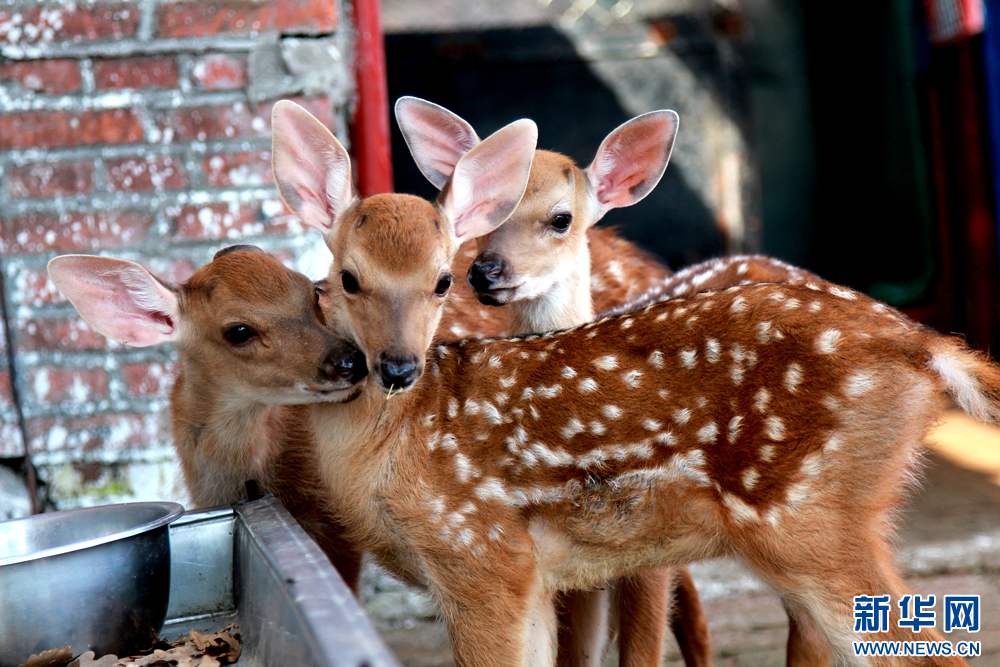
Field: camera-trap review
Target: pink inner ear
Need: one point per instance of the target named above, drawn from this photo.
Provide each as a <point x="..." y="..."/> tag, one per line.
<point x="437" y="138"/>
<point x="311" y="168"/>
<point x="118" y="299"/>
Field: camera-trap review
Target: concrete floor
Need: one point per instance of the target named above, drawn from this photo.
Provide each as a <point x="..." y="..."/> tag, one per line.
<point x="950" y="545"/>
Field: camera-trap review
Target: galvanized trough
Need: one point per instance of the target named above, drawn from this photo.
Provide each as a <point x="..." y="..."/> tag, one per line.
<point x="252" y="565"/>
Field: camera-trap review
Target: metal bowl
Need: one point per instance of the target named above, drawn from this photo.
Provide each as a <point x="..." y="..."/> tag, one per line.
<point x="94" y="579"/>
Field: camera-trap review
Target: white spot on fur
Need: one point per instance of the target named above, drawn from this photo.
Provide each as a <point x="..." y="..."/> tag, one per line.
<point x="682" y="416"/>
<point x="651" y="424"/>
<point x="735" y="424"/>
<point x="587" y="386"/>
<point x="597" y="428"/>
<point x="452" y="408"/>
<point x="464" y="470"/>
<point x="507" y="382"/>
<point x="656" y="359"/>
<point x="626" y="323"/>
<point x="739" y="510"/>
<point x="812" y="465"/>
<point x="842" y="293"/>
<point x="689" y="358"/>
<point x="632" y="378"/>
<point x="828" y="341"/>
<point x="793" y="377"/>
<point x="712" y="350"/>
<point x="750" y="478"/>
<point x="572" y="428"/>
<point x="774" y="428"/>
<point x="767" y="453"/>
<point x="449" y="443"/>
<point x="666" y="439"/>
<point x="739" y="305"/>
<point x="608" y="362"/>
<point x="549" y="392"/>
<point x="833" y="444"/>
<point x="611" y="411"/>
<point x="858" y="384"/>
<point x="568" y="372"/>
<point x="815" y="307"/>
<point x="764" y="333"/>
<point x="707" y="433"/>
<point x="491" y="488"/>
<point x="760" y="400"/>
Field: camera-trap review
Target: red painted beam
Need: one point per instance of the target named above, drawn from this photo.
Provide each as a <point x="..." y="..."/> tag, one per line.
<point x="370" y="127"/>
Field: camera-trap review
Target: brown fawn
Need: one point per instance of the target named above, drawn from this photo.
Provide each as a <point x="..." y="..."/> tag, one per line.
<point x="538" y="263"/>
<point x="252" y="350"/>
<point x="620" y="271"/>
<point x="778" y="424"/>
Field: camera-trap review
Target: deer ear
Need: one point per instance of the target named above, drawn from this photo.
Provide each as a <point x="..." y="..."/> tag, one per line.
<point x="311" y="168"/>
<point x="436" y="137"/>
<point x="118" y="299"/>
<point x="489" y="180"/>
<point x="632" y="159"/>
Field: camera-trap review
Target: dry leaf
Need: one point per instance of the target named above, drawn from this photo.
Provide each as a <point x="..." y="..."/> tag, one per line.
<point x="196" y="650"/>
<point x="86" y="659"/>
<point x="50" y="658"/>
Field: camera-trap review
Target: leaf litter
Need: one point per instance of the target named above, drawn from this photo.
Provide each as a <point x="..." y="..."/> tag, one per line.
<point x="195" y="650"/>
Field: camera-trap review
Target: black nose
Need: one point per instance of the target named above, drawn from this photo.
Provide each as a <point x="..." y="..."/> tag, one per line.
<point x="398" y="372"/>
<point x="345" y="364"/>
<point x="484" y="272"/>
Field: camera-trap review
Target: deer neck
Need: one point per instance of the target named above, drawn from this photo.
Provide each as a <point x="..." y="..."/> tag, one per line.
<point x="566" y="304"/>
<point x="214" y="426"/>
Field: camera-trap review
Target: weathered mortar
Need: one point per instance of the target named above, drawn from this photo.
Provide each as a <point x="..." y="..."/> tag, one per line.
<point x="139" y="130"/>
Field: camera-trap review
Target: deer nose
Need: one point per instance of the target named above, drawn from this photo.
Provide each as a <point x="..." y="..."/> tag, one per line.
<point x="349" y="365"/>
<point x="398" y="372"/>
<point x="484" y="272"/>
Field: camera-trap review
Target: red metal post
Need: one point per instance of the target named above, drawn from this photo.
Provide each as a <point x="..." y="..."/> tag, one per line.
<point x="370" y="129"/>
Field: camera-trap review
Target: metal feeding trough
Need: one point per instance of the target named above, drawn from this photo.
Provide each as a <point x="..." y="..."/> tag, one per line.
<point x="254" y="566"/>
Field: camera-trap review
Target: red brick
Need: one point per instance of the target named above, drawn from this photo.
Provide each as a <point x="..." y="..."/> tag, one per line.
<point x="78" y="23"/>
<point x="50" y="179"/>
<point x="220" y="71"/>
<point x="68" y="334"/>
<point x="230" y="121"/>
<point x="6" y="393"/>
<point x="208" y="17"/>
<point x="73" y="232"/>
<point x="239" y="169"/>
<point x="218" y="221"/>
<point x="136" y="73"/>
<point x="48" y="129"/>
<point x="33" y="288"/>
<point x="150" y="173"/>
<point x="54" y="385"/>
<point x="150" y="379"/>
<point x="43" y="76"/>
<point x="105" y="432"/>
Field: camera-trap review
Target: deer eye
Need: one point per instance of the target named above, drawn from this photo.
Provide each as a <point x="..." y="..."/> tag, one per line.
<point x="443" y="285"/>
<point x="561" y="222"/>
<point x="239" y="333"/>
<point x="350" y="283"/>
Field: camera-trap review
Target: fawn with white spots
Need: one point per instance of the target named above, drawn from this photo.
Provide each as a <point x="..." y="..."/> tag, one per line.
<point x="538" y="263"/>
<point x="776" y="424"/>
<point x="252" y="346"/>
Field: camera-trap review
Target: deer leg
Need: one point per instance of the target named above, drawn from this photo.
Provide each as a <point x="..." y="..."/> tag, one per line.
<point x="806" y="645"/>
<point x="643" y="605"/>
<point x="583" y="628"/>
<point x="688" y="621"/>
<point x="818" y="589"/>
<point x="513" y="625"/>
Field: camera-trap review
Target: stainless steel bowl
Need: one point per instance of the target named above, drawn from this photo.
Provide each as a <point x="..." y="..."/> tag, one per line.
<point x="93" y="579"/>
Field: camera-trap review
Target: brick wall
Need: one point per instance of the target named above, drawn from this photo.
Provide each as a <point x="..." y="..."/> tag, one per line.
<point x="138" y="130"/>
